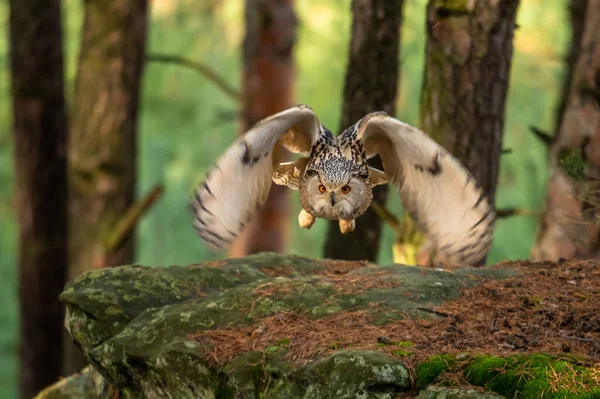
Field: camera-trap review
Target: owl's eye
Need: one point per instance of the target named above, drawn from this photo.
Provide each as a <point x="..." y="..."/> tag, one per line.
<point x="322" y="188"/>
<point x="346" y="189"/>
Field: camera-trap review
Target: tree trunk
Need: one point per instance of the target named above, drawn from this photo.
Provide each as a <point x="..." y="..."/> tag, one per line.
<point x="569" y="227"/>
<point x="466" y="79"/>
<point x="371" y="85"/>
<point x="102" y="146"/>
<point x="39" y="124"/>
<point x="467" y="69"/>
<point x="267" y="88"/>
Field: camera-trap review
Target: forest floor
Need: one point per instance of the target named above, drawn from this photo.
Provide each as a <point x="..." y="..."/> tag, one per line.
<point x="496" y="317"/>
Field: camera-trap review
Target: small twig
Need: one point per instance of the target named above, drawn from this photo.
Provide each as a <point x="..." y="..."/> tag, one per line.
<point x="384" y="214"/>
<point x="543" y="136"/>
<point x="508" y="212"/>
<point x="429" y="310"/>
<point x="131" y="218"/>
<point x="506" y="151"/>
<point x="203" y="69"/>
<point x="576" y="338"/>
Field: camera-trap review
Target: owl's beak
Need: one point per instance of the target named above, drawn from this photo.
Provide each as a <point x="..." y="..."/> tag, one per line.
<point x="332" y="196"/>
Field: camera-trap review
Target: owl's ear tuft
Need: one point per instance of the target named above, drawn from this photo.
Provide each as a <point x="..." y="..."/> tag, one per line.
<point x="377" y="177"/>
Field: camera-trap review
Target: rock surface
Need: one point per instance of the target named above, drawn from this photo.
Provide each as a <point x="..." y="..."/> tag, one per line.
<point x="81" y="385"/>
<point x="435" y="392"/>
<point x="274" y="326"/>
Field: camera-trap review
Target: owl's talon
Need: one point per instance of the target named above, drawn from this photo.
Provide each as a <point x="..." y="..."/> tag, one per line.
<point x="346" y="226"/>
<point x="305" y="219"/>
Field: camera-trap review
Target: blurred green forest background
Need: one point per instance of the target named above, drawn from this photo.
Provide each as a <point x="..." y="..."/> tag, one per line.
<point x="186" y="122"/>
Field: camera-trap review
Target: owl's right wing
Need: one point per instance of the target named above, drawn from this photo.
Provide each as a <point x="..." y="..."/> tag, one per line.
<point x="439" y="193"/>
<point x="239" y="182"/>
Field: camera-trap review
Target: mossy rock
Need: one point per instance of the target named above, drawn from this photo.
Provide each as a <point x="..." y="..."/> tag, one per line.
<point x="440" y="392"/>
<point x="160" y="332"/>
<point x="81" y="385"/>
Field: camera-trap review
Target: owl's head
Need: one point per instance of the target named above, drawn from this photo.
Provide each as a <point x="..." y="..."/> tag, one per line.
<point x="334" y="189"/>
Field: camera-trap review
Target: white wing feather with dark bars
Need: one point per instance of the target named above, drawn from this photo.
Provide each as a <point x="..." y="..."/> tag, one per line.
<point x="240" y="181"/>
<point x="435" y="188"/>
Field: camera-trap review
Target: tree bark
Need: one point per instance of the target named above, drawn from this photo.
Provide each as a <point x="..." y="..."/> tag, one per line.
<point x="371" y="85"/>
<point x="267" y="88"/>
<point x="577" y="10"/>
<point x="39" y="125"/>
<point x="569" y="227"/>
<point x="102" y="147"/>
<point x="467" y="69"/>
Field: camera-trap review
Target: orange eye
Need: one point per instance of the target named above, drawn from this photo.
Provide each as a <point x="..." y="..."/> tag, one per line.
<point x="322" y="188"/>
<point x="346" y="189"/>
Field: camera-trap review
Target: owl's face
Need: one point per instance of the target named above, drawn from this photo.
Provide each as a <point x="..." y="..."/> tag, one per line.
<point x="335" y="198"/>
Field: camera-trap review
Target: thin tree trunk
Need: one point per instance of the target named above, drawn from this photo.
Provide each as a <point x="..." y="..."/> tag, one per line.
<point x="267" y="88"/>
<point x="102" y="146"/>
<point x="371" y="85"/>
<point x="39" y="124"/>
<point x="577" y="11"/>
<point x="569" y="227"/>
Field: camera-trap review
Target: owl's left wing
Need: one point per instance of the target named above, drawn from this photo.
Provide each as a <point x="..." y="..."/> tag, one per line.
<point x="435" y="188"/>
<point x="239" y="182"/>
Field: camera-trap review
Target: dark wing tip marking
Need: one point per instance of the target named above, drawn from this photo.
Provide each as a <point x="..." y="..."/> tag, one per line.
<point x="205" y="185"/>
<point x="481" y="198"/>
<point x="202" y="225"/>
<point x="435" y="169"/>
<point x="247" y="159"/>
<point x="485" y="216"/>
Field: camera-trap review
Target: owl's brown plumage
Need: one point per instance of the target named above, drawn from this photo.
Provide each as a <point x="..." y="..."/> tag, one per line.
<point x="336" y="183"/>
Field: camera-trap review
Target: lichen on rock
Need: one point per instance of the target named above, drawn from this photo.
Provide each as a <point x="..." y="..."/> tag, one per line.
<point x="441" y="392"/>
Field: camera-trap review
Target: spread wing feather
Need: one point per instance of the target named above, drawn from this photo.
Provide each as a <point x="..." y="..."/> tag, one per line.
<point x="436" y="189"/>
<point x="239" y="182"/>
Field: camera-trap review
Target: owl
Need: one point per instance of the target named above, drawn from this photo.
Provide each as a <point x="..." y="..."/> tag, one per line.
<point x="336" y="183"/>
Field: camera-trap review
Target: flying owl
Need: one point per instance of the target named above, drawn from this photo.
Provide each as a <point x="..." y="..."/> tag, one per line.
<point x="336" y="183"/>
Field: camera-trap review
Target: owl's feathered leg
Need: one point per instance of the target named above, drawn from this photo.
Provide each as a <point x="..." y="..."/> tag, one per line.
<point x="347" y="226"/>
<point x="305" y="219"/>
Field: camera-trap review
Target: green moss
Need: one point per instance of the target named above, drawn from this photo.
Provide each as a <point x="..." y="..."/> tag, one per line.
<point x="455" y="5"/>
<point x="535" y="376"/>
<point x="429" y="370"/>
<point x="526" y="376"/>
<point x="491" y="372"/>
<point x="272" y="349"/>
<point x="572" y="161"/>
<point x="401" y="353"/>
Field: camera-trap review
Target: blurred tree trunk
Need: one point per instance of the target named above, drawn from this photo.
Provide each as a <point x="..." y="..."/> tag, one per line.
<point x="39" y="124"/>
<point x="267" y="88"/>
<point x="569" y="227"/>
<point x="102" y="143"/>
<point x="371" y="85"/>
<point x="466" y="79"/>
<point x="577" y="12"/>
